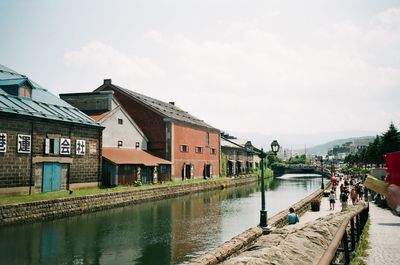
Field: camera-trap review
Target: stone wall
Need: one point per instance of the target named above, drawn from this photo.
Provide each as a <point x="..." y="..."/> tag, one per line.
<point x="239" y="242"/>
<point x="21" y="173"/>
<point x="44" y="210"/>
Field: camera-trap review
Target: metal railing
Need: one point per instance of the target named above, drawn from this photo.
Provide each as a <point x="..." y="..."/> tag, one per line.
<point x="346" y="239"/>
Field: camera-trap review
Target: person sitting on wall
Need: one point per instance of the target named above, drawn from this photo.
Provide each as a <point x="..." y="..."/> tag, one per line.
<point x="292" y="217"/>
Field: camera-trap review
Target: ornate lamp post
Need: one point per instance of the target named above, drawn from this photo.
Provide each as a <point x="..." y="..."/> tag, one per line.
<point x="321" y="160"/>
<point x="263" y="213"/>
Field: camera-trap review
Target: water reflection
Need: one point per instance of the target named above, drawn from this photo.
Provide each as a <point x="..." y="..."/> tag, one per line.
<point x="164" y="232"/>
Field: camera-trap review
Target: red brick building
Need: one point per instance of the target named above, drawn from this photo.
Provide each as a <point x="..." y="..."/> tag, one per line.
<point x="189" y="143"/>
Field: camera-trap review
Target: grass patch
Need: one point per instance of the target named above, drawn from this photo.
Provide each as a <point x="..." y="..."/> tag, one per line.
<point x="359" y="257"/>
<point x="97" y="190"/>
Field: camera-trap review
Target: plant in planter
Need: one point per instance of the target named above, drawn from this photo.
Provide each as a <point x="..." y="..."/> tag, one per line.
<point x="315" y="204"/>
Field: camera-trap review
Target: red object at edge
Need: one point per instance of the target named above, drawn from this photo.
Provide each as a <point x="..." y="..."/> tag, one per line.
<point x="393" y="167"/>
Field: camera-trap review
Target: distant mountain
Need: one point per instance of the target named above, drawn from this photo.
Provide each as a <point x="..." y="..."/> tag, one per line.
<point x="299" y="142"/>
<point x="323" y="149"/>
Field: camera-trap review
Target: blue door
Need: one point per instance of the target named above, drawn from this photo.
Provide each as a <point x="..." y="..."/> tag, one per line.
<point x="51" y="177"/>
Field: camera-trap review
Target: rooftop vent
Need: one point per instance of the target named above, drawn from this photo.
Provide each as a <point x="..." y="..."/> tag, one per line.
<point x="107" y="81"/>
<point x="172" y="103"/>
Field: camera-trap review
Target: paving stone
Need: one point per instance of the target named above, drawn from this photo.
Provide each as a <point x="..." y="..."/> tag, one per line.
<point x="384" y="237"/>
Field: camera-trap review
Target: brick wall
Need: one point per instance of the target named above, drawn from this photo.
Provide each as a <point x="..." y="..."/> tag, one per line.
<point x="14" y="167"/>
<point x="151" y="123"/>
<point x="195" y="137"/>
<point x="17" y="170"/>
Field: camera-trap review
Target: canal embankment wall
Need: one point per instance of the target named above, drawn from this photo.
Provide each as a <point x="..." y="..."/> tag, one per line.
<point x="69" y="206"/>
<point x="241" y="241"/>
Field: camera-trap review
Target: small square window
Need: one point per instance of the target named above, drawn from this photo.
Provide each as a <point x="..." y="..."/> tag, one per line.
<point x="199" y="149"/>
<point x="213" y="151"/>
<point x="120" y="121"/>
<point x="184" y="148"/>
<point x="120" y="143"/>
<point x="137" y="145"/>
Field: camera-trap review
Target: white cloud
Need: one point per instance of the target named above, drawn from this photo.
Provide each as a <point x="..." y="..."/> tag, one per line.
<point x="306" y="86"/>
<point x="99" y="58"/>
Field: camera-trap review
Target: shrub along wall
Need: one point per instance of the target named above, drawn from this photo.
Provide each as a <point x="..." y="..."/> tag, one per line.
<point x="57" y="208"/>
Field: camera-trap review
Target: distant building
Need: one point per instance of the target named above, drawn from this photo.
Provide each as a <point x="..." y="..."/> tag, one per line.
<point x="125" y="159"/>
<point x="236" y="158"/>
<point x="173" y="134"/>
<point x="45" y="143"/>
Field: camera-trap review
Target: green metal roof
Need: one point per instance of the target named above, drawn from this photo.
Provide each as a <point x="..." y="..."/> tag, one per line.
<point x="43" y="104"/>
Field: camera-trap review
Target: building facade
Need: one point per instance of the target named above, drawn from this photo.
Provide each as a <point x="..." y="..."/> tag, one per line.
<point x="45" y="143"/>
<point x="189" y="143"/>
<point x="125" y="160"/>
<point x="237" y="156"/>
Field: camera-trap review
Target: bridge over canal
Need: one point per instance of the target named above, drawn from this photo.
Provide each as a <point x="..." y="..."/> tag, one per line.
<point x="302" y="169"/>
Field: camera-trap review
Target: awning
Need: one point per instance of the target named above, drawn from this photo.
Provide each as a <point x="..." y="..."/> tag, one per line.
<point x="127" y="156"/>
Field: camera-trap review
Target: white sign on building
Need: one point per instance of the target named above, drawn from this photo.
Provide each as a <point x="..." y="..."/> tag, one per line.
<point x="3" y="142"/>
<point x="24" y="143"/>
<point x="65" y="146"/>
<point x="80" y="147"/>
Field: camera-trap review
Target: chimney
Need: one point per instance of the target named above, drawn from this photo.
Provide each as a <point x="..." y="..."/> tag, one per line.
<point x="172" y="103"/>
<point x="107" y="81"/>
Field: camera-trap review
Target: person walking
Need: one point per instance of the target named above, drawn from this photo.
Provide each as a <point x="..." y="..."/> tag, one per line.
<point x="343" y="199"/>
<point x="332" y="200"/>
<point x="353" y="196"/>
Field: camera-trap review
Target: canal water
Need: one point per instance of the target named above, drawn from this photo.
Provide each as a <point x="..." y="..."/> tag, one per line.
<point x="163" y="232"/>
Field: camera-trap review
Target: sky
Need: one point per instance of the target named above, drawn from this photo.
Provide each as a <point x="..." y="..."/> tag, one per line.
<point x="259" y="67"/>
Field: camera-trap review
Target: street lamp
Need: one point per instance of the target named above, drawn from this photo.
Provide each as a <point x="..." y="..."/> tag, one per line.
<point x="321" y="160"/>
<point x="249" y="148"/>
<point x="263" y="213"/>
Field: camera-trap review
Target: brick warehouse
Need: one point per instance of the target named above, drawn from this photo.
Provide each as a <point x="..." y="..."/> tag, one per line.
<point x="45" y="143"/>
<point x="189" y="143"/>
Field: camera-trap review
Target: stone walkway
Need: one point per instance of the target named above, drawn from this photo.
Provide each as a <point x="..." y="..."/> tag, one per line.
<point x="384" y="237"/>
<point x="324" y="210"/>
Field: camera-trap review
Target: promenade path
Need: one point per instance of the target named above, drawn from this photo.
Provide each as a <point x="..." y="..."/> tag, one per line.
<point x="384" y="237"/>
<point x="324" y="210"/>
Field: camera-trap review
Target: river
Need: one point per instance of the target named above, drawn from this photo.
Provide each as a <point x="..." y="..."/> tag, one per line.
<point x="163" y="232"/>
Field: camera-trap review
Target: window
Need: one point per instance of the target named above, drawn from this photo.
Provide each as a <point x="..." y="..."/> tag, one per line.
<point x="25" y="92"/>
<point x="120" y="143"/>
<point x="137" y="145"/>
<point x="213" y="151"/>
<point x="184" y="148"/>
<point x="207" y="138"/>
<point x="198" y="149"/>
<point x="52" y="146"/>
<point x="120" y="121"/>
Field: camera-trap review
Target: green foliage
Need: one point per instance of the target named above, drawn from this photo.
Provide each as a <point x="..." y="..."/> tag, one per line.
<point x="278" y="165"/>
<point x="224" y="163"/>
<point x="349" y="170"/>
<point x="339" y="149"/>
<point x="137" y="183"/>
<point x="302" y="159"/>
<point x="373" y="154"/>
<point x="359" y="256"/>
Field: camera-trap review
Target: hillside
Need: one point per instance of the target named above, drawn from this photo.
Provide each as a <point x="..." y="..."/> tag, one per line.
<point x="323" y="149"/>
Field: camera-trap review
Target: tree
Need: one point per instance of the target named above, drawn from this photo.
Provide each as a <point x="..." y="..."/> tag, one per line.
<point x="373" y="152"/>
<point x="390" y="140"/>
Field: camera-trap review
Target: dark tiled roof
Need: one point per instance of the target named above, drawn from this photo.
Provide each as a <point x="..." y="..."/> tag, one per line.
<point x="165" y="109"/>
<point x="43" y="104"/>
